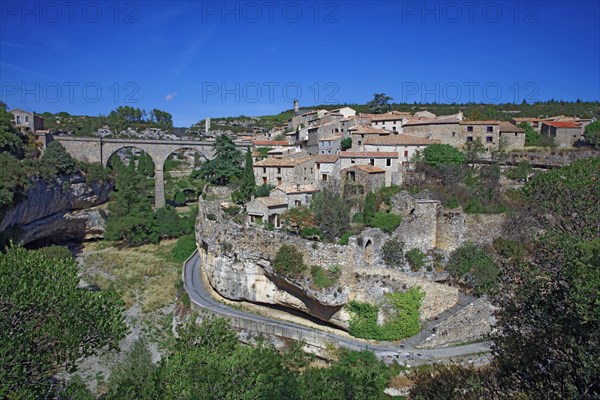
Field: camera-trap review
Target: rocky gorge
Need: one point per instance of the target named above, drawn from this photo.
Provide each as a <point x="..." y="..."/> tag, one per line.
<point x="58" y="211"/>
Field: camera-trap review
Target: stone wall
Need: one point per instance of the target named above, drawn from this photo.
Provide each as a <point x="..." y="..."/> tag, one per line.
<point x="427" y="225"/>
<point x="237" y="260"/>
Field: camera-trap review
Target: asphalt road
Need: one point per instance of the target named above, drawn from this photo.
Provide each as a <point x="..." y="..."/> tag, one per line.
<point x="404" y="354"/>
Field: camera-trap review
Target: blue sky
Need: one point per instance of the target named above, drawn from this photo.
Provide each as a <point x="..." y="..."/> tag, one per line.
<point x="213" y="58"/>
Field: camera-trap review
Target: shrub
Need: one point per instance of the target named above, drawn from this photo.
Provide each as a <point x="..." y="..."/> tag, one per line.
<point x="416" y="259"/>
<point x="311" y="232"/>
<point x="264" y="190"/>
<point x="289" y="261"/>
<point x="473" y="266"/>
<point x="325" y="278"/>
<point x="438" y="154"/>
<point x="184" y="248"/>
<point x="171" y="225"/>
<point x="179" y="199"/>
<point x="344" y="239"/>
<point x="54" y="251"/>
<point x="393" y="252"/>
<point x="405" y="323"/>
<point x="346" y="143"/>
<point x="387" y="222"/>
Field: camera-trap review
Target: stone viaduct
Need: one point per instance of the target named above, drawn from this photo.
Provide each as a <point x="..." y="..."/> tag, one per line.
<point x="100" y="150"/>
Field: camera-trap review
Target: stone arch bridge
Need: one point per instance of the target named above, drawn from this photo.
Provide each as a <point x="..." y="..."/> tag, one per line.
<point x="99" y="150"/>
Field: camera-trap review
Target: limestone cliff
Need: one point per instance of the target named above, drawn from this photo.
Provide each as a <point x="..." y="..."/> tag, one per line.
<point x="59" y="210"/>
<point x="237" y="262"/>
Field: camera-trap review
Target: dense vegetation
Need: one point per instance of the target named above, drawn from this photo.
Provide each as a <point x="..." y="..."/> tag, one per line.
<point x="546" y="339"/>
<point x="402" y="322"/>
<point x="207" y="362"/>
<point x="289" y="261"/>
<point x="474" y="267"/>
<point x="47" y="322"/>
<point x="117" y="120"/>
<point x="21" y="164"/>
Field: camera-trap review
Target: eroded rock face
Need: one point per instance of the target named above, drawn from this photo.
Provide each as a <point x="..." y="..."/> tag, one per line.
<point x="237" y="262"/>
<point x="59" y="210"/>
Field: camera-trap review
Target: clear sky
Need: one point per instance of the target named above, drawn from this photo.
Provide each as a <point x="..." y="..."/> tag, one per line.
<point x="214" y="58"/>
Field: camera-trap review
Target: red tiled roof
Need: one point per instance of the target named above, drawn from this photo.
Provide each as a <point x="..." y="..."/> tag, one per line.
<point x="368" y="154"/>
<point x="370" y="169"/>
<point x="327" y="158"/>
<point x="367" y="130"/>
<point x="270" y="143"/>
<point x="489" y="122"/>
<point x="562" y="124"/>
<point x="400" y="140"/>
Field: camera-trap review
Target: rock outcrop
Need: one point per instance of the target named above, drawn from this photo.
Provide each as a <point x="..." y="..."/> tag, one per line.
<point x="237" y="262"/>
<point x="59" y="210"/>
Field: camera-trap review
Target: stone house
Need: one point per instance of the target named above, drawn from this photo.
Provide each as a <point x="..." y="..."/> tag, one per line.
<point x="361" y="132"/>
<point x="512" y="135"/>
<point x="405" y="145"/>
<point x="330" y="145"/>
<point x="285" y="171"/>
<point x="327" y="169"/>
<point x="535" y="123"/>
<point x="391" y="121"/>
<point x="564" y="133"/>
<point x="447" y="131"/>
<point x="266" y="210"/>
<point x="27" y="121"/>
<point x="296" y="195"/>
<point x="388" y="161"/>
<point x="487" y="131"/>
<point x="361" y="179"/>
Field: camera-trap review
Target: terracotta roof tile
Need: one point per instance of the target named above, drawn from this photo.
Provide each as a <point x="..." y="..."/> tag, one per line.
<point x="282" y="162"/>
<point x="367" y="130"/>
<point x="327" y="158"/>
<point x="562" y="124"/>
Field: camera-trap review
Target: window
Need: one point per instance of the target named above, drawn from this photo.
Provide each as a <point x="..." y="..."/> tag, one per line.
<point x="388" y="162"/>
<point x="453" y="134"/>
<point x="372" y="161"/>
<point x="516" y="134"/>
<point x="278" y="170"/>
<point x="18" y="119"/>
<point x="469" y="138"/>
<point x="394" y="122"/>
<point x="352" y="160"/>
<point x="405" y="153"/>
<point x="394" y="128"/>
<point x="27" y="118"/>
<point x="297" y="203"/>
<point x="264" y="180"/>
<point x="318" y="166"/>
<point x="490" y="129"/>
<point x="264" y="170"/>
<point x="324" y="177"/>
<point x="488" y="139"/>
<point x="469" y="129"/>
<point x="278" y="181"/>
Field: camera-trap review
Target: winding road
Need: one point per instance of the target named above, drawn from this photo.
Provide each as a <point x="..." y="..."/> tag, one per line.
<point x="402" y="354"/>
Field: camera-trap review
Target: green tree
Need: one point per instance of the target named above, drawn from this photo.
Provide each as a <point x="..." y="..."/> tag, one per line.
<point x="380" y="103"/>
<point x="332" y="212"/>
<point x="475" y="267"/>
<point x="386" y="221"/>
<point x="474" y="149"/>
<point x="131" y="218"/>
<point x="571" y="195"/>
<point x="135" y="377"/>
<point x="532" y="137"/>
<point x="346" y="143"/>
<point x="225" y="165"/>
<point x="438" y="154"/>
<point x="58" y="160"/>
<point x="289" y="261"/>
<point x="248" y="182"/>
<point x="13" y="180"/>
<point x="146" y="165"/>
<point x="47" y="322"/>
<point x="592" y="134"/>
<point x="546" y="345"/>
<point x="10" y="140"/>
<point x="370" y="208"/>
<point x="298" y="218"/>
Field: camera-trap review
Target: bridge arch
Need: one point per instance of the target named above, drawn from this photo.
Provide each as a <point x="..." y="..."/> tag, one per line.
<point x="99" y="150"/>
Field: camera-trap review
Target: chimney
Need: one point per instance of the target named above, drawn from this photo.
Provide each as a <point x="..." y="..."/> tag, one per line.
<point x="296" y="109"/>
